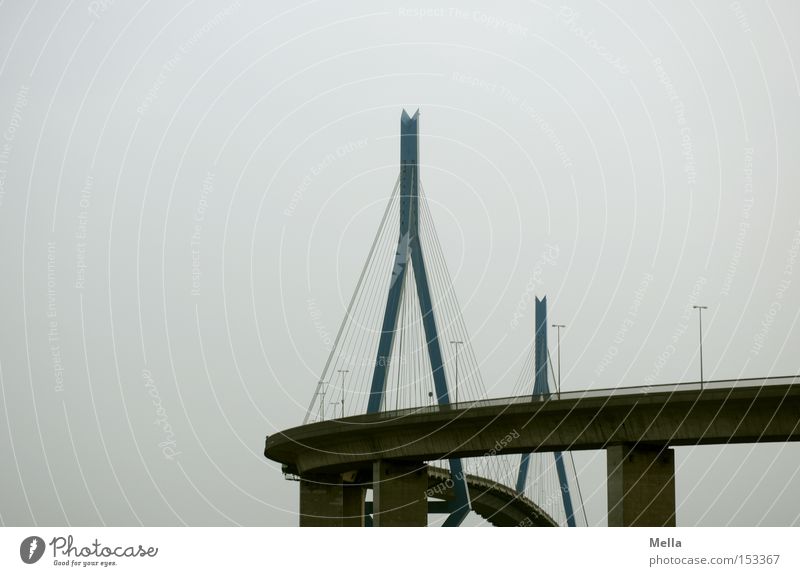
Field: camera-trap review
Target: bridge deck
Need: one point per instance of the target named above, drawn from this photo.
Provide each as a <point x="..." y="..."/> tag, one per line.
<point x="495" y="502"/>
<point x="735" y="411"/>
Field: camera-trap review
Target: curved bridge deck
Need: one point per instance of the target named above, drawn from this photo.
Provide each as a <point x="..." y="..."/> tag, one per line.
<point x="761" y="411"/>
<point x="496" y="503"/>
<point x="643" y="422"/>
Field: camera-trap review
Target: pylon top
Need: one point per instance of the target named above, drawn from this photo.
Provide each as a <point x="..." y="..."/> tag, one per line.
<point x="409" y="139"/>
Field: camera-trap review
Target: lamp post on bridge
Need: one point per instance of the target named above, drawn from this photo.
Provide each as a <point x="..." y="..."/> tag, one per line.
<point x="343" y="372"/>
<point x="456" y="343"/>
<point x="700" y="311"/>
<point x="321" y="393"/>
<point x="558" y="328"/>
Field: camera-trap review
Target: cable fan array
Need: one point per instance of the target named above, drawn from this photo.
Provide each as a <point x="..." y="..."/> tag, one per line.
<point x="344" y="385"/>
<point x="543" y="485"/>
<point x="343" y="388"/>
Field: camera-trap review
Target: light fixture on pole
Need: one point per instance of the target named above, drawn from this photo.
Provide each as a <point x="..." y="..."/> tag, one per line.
<point x="456" y="343"/>
<point x="558" y="328"/>
<point x="700" y="311"/>
<point x="322" y="384"/>
<point x="343" y="372"/>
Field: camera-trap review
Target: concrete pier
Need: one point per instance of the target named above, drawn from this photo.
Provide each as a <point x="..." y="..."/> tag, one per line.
<point x="326" y="500"/>
<point x="641" y="485"/>
<point x="398" y="493"/>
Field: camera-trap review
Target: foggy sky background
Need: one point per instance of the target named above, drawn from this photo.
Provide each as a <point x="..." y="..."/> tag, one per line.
<point x="627" y="160"/>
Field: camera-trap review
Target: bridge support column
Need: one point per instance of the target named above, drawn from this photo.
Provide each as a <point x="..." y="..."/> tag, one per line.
<point x="641" y="485"/>
<point x="398" y="493"/>
<point x="328" y="501"/>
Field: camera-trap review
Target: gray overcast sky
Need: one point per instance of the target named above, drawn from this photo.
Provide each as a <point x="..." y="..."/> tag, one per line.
<point x="179" y="180"/>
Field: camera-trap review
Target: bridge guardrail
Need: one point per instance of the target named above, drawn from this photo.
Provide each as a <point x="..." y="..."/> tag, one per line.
<point x="594" y="393"/>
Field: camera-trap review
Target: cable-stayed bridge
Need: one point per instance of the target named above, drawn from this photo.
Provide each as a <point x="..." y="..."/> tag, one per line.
<point x="399" y="430"/>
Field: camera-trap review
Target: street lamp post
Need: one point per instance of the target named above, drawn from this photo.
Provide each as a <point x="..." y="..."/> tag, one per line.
<point x="343" y="372"/>
<point x="558" y="328"/>
<point x="322" y="399"/>
<point x="700" y="313"/>
<point x="456" y="343"/>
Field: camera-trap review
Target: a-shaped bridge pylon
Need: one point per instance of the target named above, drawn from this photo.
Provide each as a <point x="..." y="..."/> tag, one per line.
<point x="404" y="344"/>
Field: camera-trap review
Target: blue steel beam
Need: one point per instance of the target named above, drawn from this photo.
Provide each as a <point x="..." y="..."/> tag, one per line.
<point x="409" y="152"/>
<point x="541" y="387"/>
<point x="389" y="326"/>
<point x="566" y="496"/>
<point x="459" y="504"/>
<point x="409" y="247"/>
